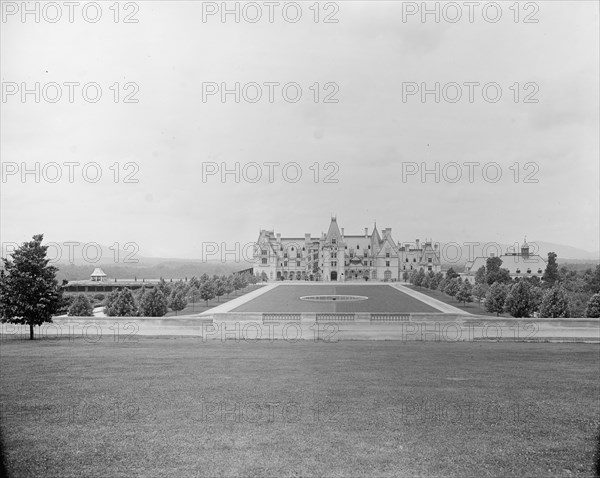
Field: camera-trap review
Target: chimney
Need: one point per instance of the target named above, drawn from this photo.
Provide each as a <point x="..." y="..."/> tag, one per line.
<point x="366" y="232"/>
<point x="278" y="237"/>
<point x="417" y="242"/>
<point x="342" y="232"/>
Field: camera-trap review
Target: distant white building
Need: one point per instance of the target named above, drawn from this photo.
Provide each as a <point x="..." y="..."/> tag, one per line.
<point x="98" y="275"/>
<point x="519" y="264"/>
<point x="336" y="256"/>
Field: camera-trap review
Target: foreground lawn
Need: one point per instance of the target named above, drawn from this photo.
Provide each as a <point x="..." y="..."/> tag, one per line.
<point x="183" y="407"/>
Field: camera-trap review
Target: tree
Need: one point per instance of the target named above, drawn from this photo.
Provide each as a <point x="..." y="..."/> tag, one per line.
<point x="81" y="307"/>
<point x="494" y="273"/>
<point x="154" y="304"/>
<point x="432" y="280"/>
<point x="229" y="287"/>
<point x="495" y="298"/>
<point x="465" y="293"/>
<point x="405" y="276"/>
<point x="178" y="300"/>
<point x="121" y="304"/>
<point x="29" y="291"/>
<point x="592" y="308"/>
<point x="479" y="291"/>
<point x="207" y="291"/>
<point x="164" y="287"/>
<point x="555" y="303"/>
<point x="452" y="286"/>
<point x="519" y="301"/>
<point x="219" y="288"/>
<point x="264" y="277"/>
<point x="451" y="274"/>
<point x="420" y="278"/>
<point x="480" y="276"/>
<point x="551" y="273"/>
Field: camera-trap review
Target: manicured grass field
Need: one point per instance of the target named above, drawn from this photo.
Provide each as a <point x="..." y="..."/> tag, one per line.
<point x="381" y="298"/>
<point x="151" y="408"/>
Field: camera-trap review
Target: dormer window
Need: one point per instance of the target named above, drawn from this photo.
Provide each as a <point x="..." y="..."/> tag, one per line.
<point x="539" y="271"/>
<point x="387" y="254"/>
<point x="334" y="241"/>
<point x="529" y="271"/>
<point x="518" y="271"/>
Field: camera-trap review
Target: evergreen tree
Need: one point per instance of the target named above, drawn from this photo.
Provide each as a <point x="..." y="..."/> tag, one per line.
<point x="554" y="303"/>
<point x="519" y="301"/>
<point x="405" y="276"/>
<point x="219" y="288"/>
<point x="420" y="278"/>
<point x="495" y="298"/>
<point x="29" y="291"/>
<point x="229" y="287"/>
<point x="452" y="286"/>
<point x="432" y="280"/>
<point x="465" y="292"/>
<point x="165" y="288"/>
<point x="592" y="308"/>
<point x="178" y="300"/>
<point x="81" y="307"/>
<point x="207" y="291"/>
<point x="551" y="273"/>
<point x="154" y="303"/>
<point x="121" y="304"/>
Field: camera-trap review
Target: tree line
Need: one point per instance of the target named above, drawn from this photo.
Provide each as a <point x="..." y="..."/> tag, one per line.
<point x="156" y="301"/>
<point x="559" y="293"/>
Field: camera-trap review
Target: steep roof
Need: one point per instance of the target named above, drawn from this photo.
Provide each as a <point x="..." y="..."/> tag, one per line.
<point x="98" y="273"/>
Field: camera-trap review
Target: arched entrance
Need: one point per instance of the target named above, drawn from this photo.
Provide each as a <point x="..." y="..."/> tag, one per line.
<point x="333" y="275"/>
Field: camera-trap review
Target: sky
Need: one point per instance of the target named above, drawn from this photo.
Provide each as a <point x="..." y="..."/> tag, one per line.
<point x="341" y="126"/>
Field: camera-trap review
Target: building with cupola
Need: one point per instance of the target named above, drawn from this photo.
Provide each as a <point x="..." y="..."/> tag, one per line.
<point x="519" y="264"/>
<point x="335" y="256"/>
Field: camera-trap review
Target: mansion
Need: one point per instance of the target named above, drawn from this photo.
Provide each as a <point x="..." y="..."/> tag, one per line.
<point x="336" y="256"/>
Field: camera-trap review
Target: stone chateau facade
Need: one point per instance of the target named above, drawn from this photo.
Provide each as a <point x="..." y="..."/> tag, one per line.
<point x="336" y="256"/>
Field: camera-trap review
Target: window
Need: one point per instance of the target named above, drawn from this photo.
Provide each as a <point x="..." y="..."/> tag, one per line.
<point x="368" y="247"/>
<point x="529" y="271"/>
<point x="387" y="263"/>
<point x="264" y="260"/>
<point x="407" y="259"/>
<point x="285" y="255"/>
<point x="297" y="263"/>
<point x="429" y="260"/>
<point x="539" y="271"/>
<point x="334" y="241"/>
<point x="263" y="252"/>
<point x="518" y="271"/>
<point x="333" y="263"/>
<point x="365" y="254"/>
<point x="357" y="246"/>
<point x="429" y="268"/>
<point x="403" y="268"/>
<point x="292" y="248"/>
<point x="414" y="259"/>
<point x="285" y="263"/>
<point x="387" y="254"/>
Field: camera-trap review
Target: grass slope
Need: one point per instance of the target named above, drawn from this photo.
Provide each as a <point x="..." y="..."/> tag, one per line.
<point x="150" y="408"/>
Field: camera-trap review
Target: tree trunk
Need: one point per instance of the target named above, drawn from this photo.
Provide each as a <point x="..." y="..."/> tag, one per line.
<point x="30" y="330"/>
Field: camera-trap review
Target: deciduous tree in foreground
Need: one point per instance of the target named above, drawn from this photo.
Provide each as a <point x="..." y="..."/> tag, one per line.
<point x="29" y="291"/>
